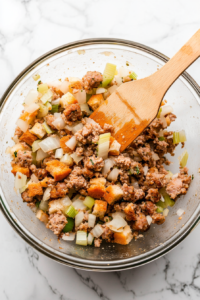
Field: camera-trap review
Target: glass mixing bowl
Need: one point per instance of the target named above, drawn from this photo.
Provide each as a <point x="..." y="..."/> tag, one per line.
<point x="76" y="59"/>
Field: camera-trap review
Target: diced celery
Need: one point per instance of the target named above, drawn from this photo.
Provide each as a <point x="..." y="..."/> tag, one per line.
<point x="168" y="200"/>
<point x="49" y="106"/>
<point x="133" y="76"/>
<point x="182" y="136"/>
<point x="88" y="96"/>
<point x="159" y="112"/>
<point x="89" y="202"/>
<point x="42" y="88"/>
<point x="71" y="212"/>
<point x="81" y="238"/>
<point x="46" y="96"/>
<point x="108" y="74"/>
<point x="35" y="145"/>
<point x="36" y="77"/>
<point x="159" y="209"/>
<point x="183" y="158"/>
<point x="47" y="128"/>
<point x="69" y="226"/>
<point x="54" y="108"/>
<point x="34" y="158"/>
<point x="179" y="137"/>
<point x="43" y="111"/>
<point x="161" y="138"/>
<point x="176" y="137"/>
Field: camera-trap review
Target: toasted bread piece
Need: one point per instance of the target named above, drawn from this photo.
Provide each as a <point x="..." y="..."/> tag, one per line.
<point x="42" y="216"/>
<point x="96" y="181"/>
<point x="67" y="99"/>
<point x="112" y="139"/>
<point x="22" y="170"/>
<point x="95" y="101"/>
<point x="28" y="117"/>
<point x="28" y="138"/>
<point x="99" y="208"/>
<point x="123" y="237"/>
<point x="113" y="193"/>
<point x="77" y="85"/>
<point x="16" y="148"/>
<point x="44" y="182"/>
<point x="34" y="189"/>
<point x="57" y="169"/>
<point x="96" y="191"/>
<point x="63" y="140"/>
<point x="114" y="148"/>
<point x="60" y="204"/>
<point x="38" y="130"/>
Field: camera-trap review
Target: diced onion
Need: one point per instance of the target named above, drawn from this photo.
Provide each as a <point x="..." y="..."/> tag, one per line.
<point x="112" y="88"/>
<point x="103" y="149"/>
<point x="59" y="123"/>
<point x="81" y="96"/>
<point x="90" y="239"/>
<point x="22" y="125"/>
<point x="117" y="224"/>
<point x="71" y="143"/>
<point x="115" y="147"/>
<point x="34" y="178"/>
<point x="15" y="139"/>
<point x="123" y="72"/>
<point x="90" y="121"/>
<point x="31" y="97"/>
<point x="50" y="143"/>
<point x="97" y="231"/>
<point x="57" y="115"/>
<point x="118" y="80"/>
<point x="20" y="180"/>
<point x="64" y="87"/>
<point x="78" y="205"/>
<point x="79" y="218"/>
<point x="155" y="156"/>
<point x="44" y="205"/>
<point x="175" y="175"/>
<point x="85" y="108"/>
<point x="165" y="212"/>
<point x="67" y="159"/>
<point x="47" y="96"/>
<point x="75" y="128"/>
<point x="91" y="220"/>
<point x="76" y="158"/>
<point x="100" y="90"/>
<point x="55" y="84"/>
<point x="162" y="199"/>
<point x="113" y="175"/>
<point x="149" y="219"/>
<point x="108" y="164"/>
<point x="35" y="145"/>
<point x="56" y="102"/>
<point x="160" y="133"/>
<point x="41" y="155"/>
<point x="46" y="195"/>
<point x="36" y="77"/>
<point x="164" y="121"/>
<point x="145" y="169"/>
<point x="166" y="109"/>
<point x="81" y="238"/>
<point x="119" y="213"/>
<point x="69" y="237"/>
<point x="134" y="183"/>
<point x="180" y="212"/>
<point x="31" y="108"/>
<point x="59" y="153"/>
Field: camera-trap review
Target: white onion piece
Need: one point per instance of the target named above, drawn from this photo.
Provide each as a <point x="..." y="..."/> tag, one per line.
<point x="108" y="164"/>
<point x="76" y="158"/>
<point x="85" y="108"/>
<point x="59" y="153"/>
<point x="57" y="115"/>
<point x="79" y="218"/>
<point x="31" y="108"/>
<point x="175" y="175"/>
<point x="180" y="212"/>
<point x="164" y="121"/>
<point x="34" y="178"/>
<point x="165" y="212"/>
<point x="103" y="149"/>
<point x="97" y="231"/>
<point x="118" y="80"/>
<point x="20" y="180"/>
<point x="31" y="97"/>
<point x="55" y="84"/>
<point x="90" y="239"/>
<point x="41" y="155"/>
<point x="166" y="109"/>
<point x="90" y="121"/>
<point x="123" y="72"/>
<point x="161" y="133"/>
<point x="145" y="169"/>
<point x="22" y="125"/>
<point x="46" y="195"/>
<point x="134" y="183"/>
<point x="15" y="139"/>
<point x="149" y="219"/>
<point x="100" y="90"/>
<point x="162" y="199"/>
<point x="71" y="143"/>
<point x="115" y="146"/>
<point x="119" y="213"/>
<point x="69" y="237"/>
<point x="117" y="224"/>
<point x="50" y="143"/>
<point x="59" y="123"/>
<point x="76" y="128"/>
<point x="80" y="96"/>
<point x="44" y="205"/>
<point x="155" y="156"/>
<point x="112" y="88"/>
<point x="113" y="175"/>
<point x="78" y="204"/>
<point x="170" y="136"/>
<point x="91" y="220"/>
<point x="67" y="159"/>
<point x="56" y="102"/>
<point x="64" y="87"/>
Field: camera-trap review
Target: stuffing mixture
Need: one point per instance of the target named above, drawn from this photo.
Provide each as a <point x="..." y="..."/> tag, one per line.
<point x="70" y="170"/>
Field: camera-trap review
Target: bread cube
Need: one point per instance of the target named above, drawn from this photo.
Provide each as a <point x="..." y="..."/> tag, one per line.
<point x="22" y="170"/>
<point x="28" y="117"/>
<point x="96" y="191"/>
<point x="96" y="181"/>
<point x="38" y="130"/>
<point x="57" y="169"/>
<point x="34" y="189"/>
<point x="16" y="148"/>
<point x="113" y="193"/>
<point x="28" y="138"/>
<point x="61" y="204"/>
<point x="114" y="148"/>
<point x="44" y="182"/>
<point x="42" y="216"/>
<point x="67" y="99"/>
<point x="77" y="85"/>
<point x="63" y="146"/>
<point x="124" y="237"/>
<point x="99" y="208"/>
<point x="95" y="101"/>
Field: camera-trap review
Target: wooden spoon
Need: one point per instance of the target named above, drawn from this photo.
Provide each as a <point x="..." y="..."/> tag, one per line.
<point x="134" y="105"/>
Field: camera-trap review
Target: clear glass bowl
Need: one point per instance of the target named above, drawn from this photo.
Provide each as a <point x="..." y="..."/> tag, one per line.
<point x="74" y="60"/>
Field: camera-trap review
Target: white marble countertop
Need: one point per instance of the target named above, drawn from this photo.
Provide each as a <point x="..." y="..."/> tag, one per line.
<point x="29" y="28"/>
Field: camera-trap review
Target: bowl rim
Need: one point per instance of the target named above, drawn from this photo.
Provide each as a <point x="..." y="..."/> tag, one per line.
<point x="100" y="266"/>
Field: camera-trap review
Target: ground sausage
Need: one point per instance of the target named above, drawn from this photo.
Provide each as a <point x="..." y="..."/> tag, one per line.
<point x="92" y="80"/>
<point x="57" y="222"/>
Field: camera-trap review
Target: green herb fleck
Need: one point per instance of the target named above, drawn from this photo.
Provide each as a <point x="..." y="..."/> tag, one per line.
<point x="92" y="162"/>
<point x="161" y="138"/>
<point x="39" y="82"/>
<point x="37" y="204"/>
<point x="15" y="153"/>
<point x="192" y="176"/>
<point x="127" y="63"/>
<point x="137" y="170"/>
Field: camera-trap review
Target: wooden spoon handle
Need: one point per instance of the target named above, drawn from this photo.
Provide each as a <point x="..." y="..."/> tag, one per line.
<point x="178" y="63"/>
